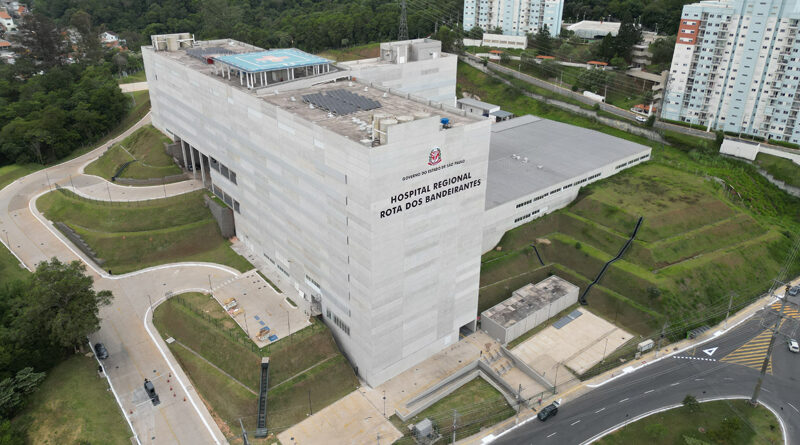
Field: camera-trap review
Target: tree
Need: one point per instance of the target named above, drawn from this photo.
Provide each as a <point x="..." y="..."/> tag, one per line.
<point x="541" y="41"/>
<point x="14" y="390"/>
<point x="88" y="41"/>
<point x="628" y="36"/>
<point x="505" y="58"/>
<point x="43" y="39"/>
<point x="495" y="30"/>
<point x="475" y="33"/>
<point x="451" y="42"/>
<point x="619" y="63"/>
<point x="9" y="434"/>
<point x="593" y="80"/>
<point x="662" y="50"/>
<point x="691" y="403"/>
<point x="63" y="303"/>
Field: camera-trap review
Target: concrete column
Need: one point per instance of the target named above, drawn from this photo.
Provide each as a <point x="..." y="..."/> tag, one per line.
<point x="194" y="164"/>
<point x="202" y="168"/>
<point x="183" y="152"/>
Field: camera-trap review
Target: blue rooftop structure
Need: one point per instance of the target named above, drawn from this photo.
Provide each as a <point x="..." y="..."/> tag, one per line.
<point x="271" y="60"/>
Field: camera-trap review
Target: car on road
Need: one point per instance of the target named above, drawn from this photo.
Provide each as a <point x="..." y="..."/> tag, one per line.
<point x="101" y="351"/>
<point x="794" y="291"/>
<point x="641" y="118"/>
<point x="793" y="346"/>
<point x="548" y="411"/>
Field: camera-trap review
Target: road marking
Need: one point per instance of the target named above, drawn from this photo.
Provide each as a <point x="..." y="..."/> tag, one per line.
<point x="648" y="392"/>
<point x="576" y="422"/>
<point x="551" y="434"/>
<point x="601" y="409"/>
<point x="765" y="390"/>
<point x="698" y="380"/>
<point x="675" y="384"/>
<point x="624" y="399"/>
<point x="689" y="357"/>
<point x="710" y="351"/>
<point x="752" y="353"/>
<point x="798" y="410"/>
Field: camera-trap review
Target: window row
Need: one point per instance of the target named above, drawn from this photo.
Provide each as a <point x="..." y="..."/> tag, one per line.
<point x="338" y="322"/>
<point x="226" y="198"/>
<point x="229" y="174"/>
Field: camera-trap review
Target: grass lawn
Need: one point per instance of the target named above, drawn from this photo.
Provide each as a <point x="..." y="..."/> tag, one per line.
<point x="782" y="169"/>
<point x="10" y="173"/>
<point x="136" y="235"/>
<point x="308" y="360"/>
<point x="692" y="250"/>
<point x="74" y="406"/>
<point x="478" y="404"/>
<point x="146" y="147"/>
<point x="10" y="268"/>
<point x="138" y="76"/>
<point x="745" y="425"/>
<point x="368" y="51"/>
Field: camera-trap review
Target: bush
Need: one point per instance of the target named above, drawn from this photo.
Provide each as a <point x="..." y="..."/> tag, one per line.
<point x="650" y="121"/>
<point x="691" y="403"/>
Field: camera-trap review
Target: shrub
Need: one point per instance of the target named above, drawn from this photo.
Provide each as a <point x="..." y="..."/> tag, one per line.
<point x="691" y="403"/>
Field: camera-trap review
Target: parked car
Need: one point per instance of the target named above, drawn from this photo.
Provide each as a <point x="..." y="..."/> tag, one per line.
<point x="548" y="411"/>
<point x="793" y="346"/>
<point x="641" y="118"/>
<point x="101" y="351"/>
<point x="794" y="291"/>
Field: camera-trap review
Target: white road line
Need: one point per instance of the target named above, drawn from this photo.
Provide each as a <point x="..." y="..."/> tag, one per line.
<point x="698" y="380"/>
<point x="625" y="399"/>
<point x="648" y="392"/>
<point x="574" y="423"/>
<point x="798" y="410"/>
<point x="551" y="434"/>
<point x="765" y="390"/>
<point x="601" y="409"/>
<point x="675" y="384"/>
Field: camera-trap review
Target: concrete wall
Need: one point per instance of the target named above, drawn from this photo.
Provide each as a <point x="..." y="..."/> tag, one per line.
<point x="503" y="41"/>
<point x="434" y="79"/>
<point x="394" y="290"/>
<point x="749" y="150"/>
<point x="223" y="215"/>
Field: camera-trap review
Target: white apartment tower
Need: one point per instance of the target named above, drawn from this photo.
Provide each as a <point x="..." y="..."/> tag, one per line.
<point x="736" y="68"/>
<point x="515" y="17"/>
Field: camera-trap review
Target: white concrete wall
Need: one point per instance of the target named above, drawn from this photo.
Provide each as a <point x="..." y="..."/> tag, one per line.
<point x="503" y="41"/>
<point x="739" y="149"/>
<point x="432" y="79"/>
<point x="311" y="201"/>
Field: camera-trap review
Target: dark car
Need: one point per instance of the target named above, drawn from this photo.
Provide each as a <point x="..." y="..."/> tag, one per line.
<point x="101" y="351"/>
<point x="548" y="411"/>
<point x="794" y="291"/>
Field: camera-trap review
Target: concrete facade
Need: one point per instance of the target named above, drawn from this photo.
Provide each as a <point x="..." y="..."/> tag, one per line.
<point x="372" y="234"/>
<point x="735" y="68"/>
<point x="514" y="17"/>
<point x="417" y="67"/>
<point x="528" y="307"/>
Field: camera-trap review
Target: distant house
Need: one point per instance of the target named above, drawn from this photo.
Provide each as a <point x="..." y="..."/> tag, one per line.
<point x="597" y="64"/>
<point x="477" y="108"/>
<point x="4" y="44"/>
<point x="7" y="22"/>
<point x="108" y="37"/>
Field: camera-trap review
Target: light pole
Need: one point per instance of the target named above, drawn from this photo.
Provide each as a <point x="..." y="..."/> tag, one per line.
<point x="384" y="403"/>
<point x="604" y="351"/>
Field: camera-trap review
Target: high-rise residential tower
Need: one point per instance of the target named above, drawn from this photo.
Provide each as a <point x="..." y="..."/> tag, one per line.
<point x="515" y="17"/>
<point x="736" y="68"/>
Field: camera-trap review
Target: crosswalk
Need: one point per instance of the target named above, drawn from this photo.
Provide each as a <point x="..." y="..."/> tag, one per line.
<point x="789" y="311"/>
<point x="752" y="353"/>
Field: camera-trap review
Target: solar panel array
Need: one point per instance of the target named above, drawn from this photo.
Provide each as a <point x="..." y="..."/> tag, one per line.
<point x="341" y="102"/>
<point x="204" y="53"/>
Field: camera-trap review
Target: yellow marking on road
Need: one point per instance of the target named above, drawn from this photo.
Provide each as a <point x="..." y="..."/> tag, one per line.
<point x="787" y="311"/>
<point x="752" y="353"/>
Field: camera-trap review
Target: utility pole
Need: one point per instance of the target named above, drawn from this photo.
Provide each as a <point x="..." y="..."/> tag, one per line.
<point x="209" y="284"/>
<point x="310" y="410"/>
<point x="519" y="403"/>
<point x="757" y="390"/>
<point x="384" y="403"/>
<point x="48" y="180"/>
<point x="730" y="304"/>
<point x="661" y="338"/>
<point x="604" y="351"/>
<point x="455" y="415"/>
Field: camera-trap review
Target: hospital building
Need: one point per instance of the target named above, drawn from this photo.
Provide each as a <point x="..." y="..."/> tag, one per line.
<point x="363" y="183"/>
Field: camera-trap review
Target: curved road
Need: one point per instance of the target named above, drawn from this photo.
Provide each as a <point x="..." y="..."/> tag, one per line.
<point x="667" y="382"/>
<point x="136" y="350"/>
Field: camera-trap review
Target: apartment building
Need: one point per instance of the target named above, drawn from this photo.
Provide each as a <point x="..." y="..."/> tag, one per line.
<point x="736" y="68"/>
<point x="514" y="17"/>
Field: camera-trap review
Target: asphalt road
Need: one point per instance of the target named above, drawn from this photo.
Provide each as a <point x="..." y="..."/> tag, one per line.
<point x="668" y="381"/>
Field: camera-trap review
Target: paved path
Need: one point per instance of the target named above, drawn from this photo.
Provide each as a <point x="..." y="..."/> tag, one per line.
<point x="135" y="348"/>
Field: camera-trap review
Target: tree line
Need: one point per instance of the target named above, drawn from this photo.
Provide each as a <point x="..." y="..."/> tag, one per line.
<point x="43" y="319"/>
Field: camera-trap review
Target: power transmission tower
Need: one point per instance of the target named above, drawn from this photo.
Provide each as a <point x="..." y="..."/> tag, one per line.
<point x="402" y="34"/>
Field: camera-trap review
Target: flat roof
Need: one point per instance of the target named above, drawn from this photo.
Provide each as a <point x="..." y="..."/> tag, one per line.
<point x="594" y="26"/>
<point x="556" y="152"/>
<point x="272" y="60"/>
<point x="529" y="299"/>
<point x="501" y="113"/>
